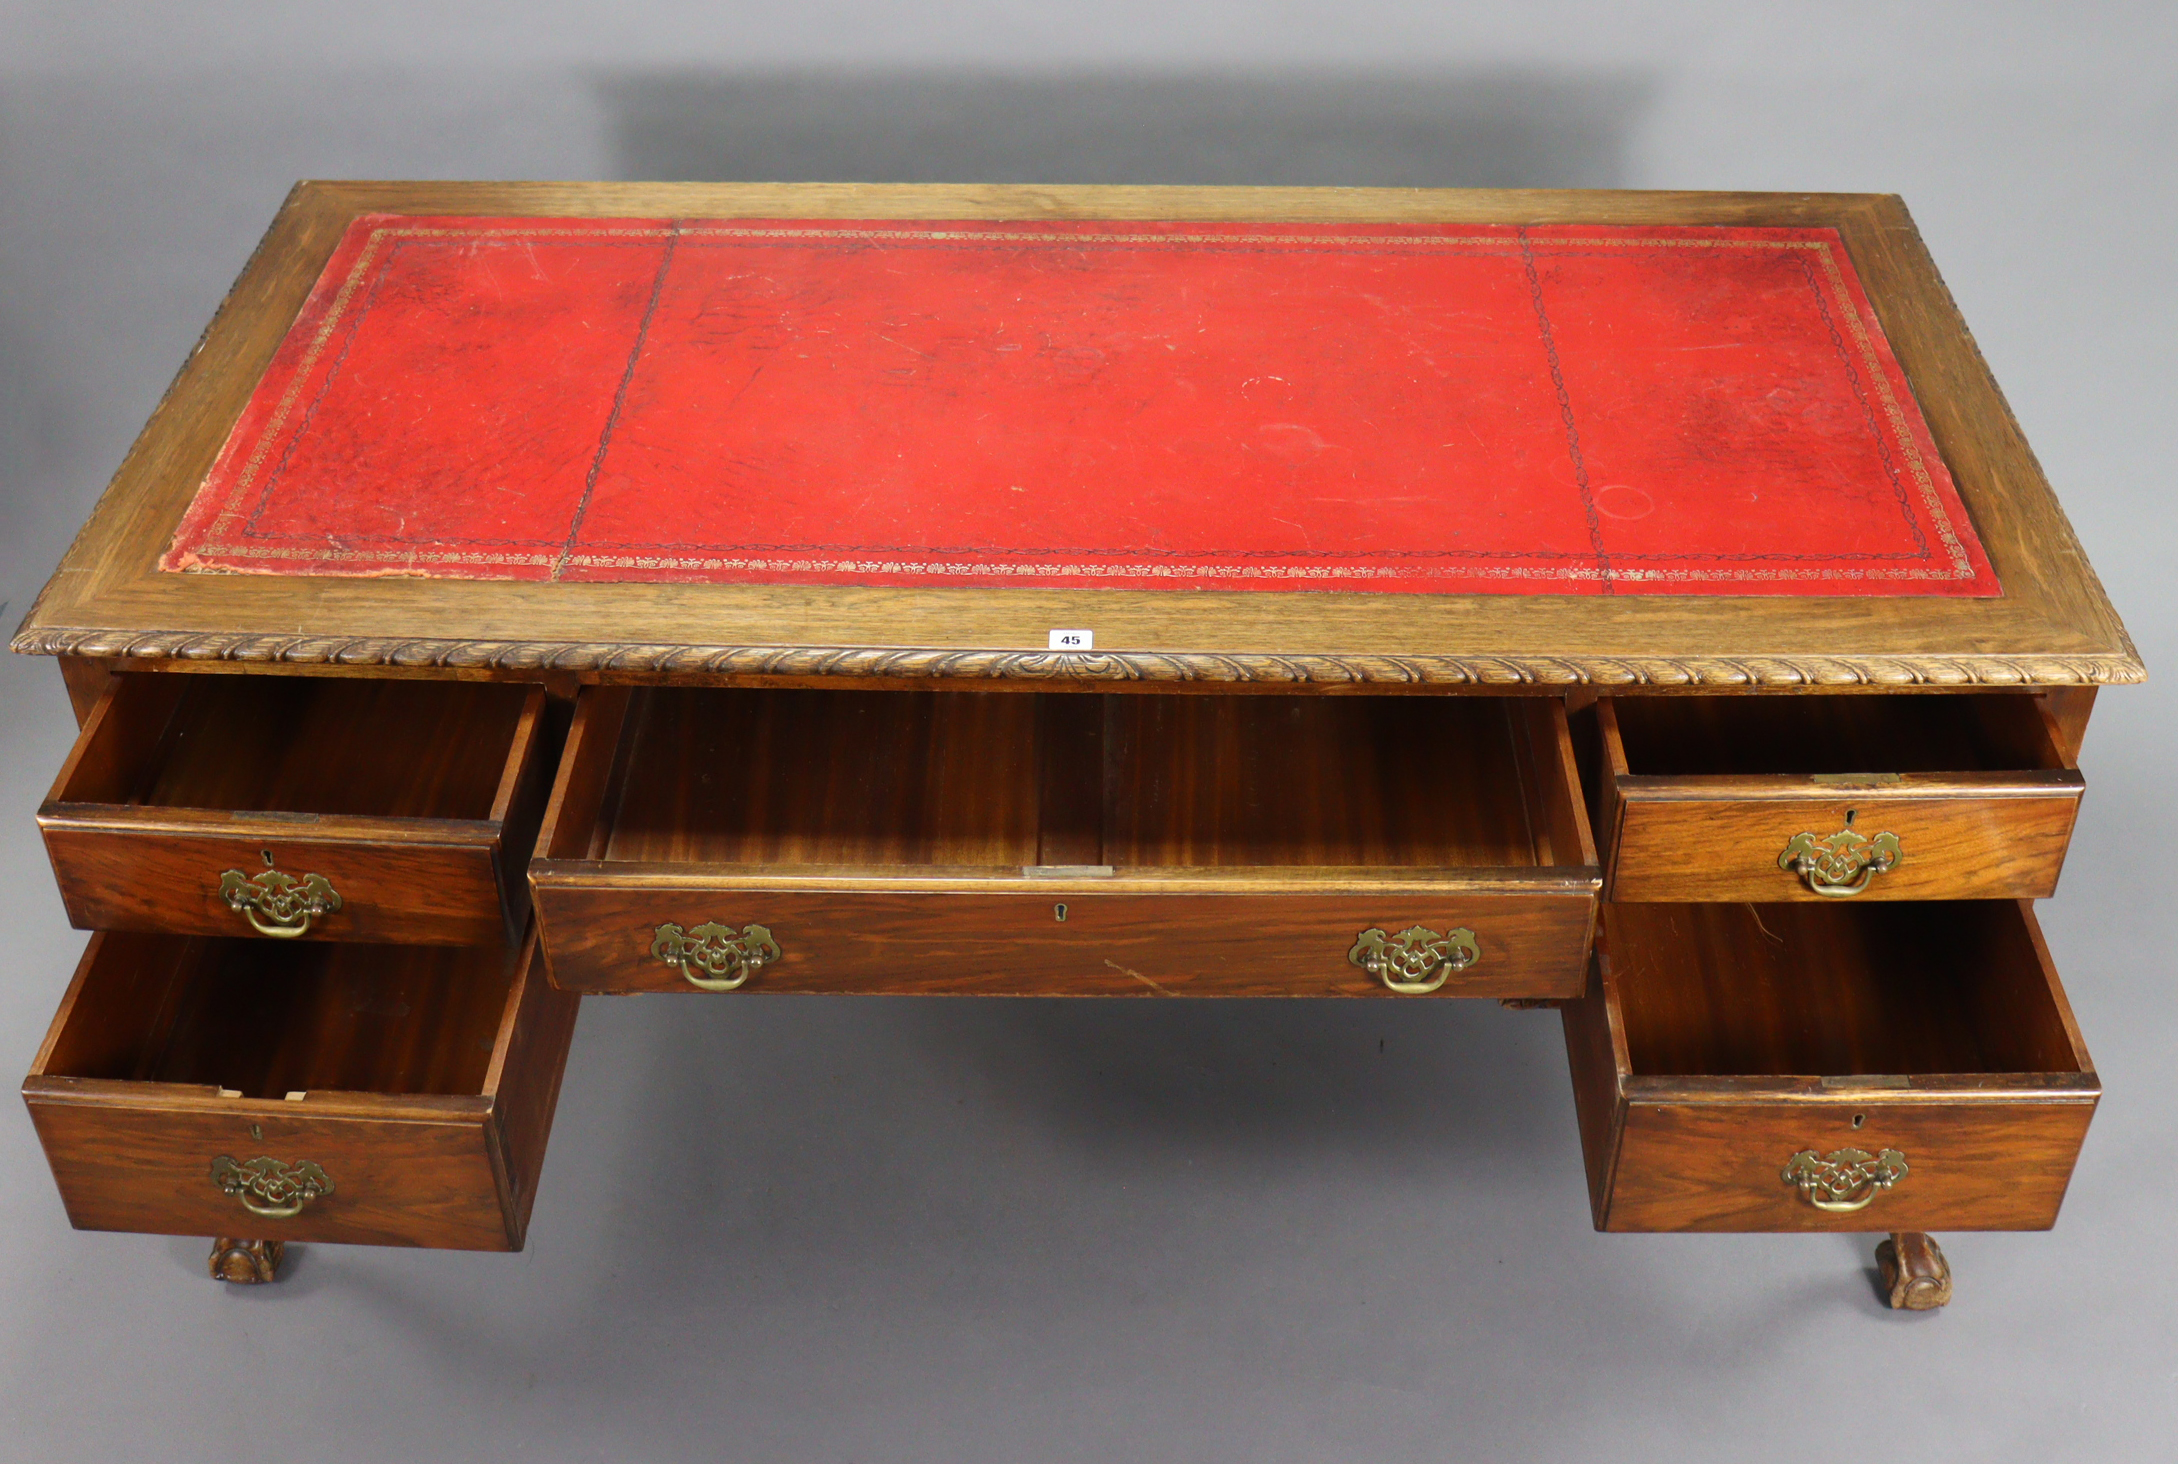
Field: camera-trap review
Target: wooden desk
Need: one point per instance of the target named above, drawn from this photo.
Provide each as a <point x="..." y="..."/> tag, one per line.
<point x="1637" y="603"/>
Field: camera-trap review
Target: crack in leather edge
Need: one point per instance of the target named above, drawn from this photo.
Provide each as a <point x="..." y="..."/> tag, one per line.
<point x="1030" y="665"/>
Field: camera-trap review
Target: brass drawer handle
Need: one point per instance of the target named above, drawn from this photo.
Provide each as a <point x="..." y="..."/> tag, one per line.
<point x="1845" y="1180"/>
<point x="1417" y="960"/>
<point x="269" y="1188"/>
<point x="716" y="950"/>
<point x="277" y="904"/>
<point x="1844" y="862"/>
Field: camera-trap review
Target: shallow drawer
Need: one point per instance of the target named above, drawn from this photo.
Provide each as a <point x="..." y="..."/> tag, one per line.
<point x="386" y="1095"/>
<point x="1876" y="797"/>
<point x="1065" y="844"/>
<point x="1842" y="1067"/>
<point x="329" y="808"/>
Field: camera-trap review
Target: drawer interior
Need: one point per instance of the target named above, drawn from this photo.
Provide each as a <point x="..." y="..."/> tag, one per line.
<point x="1721" y="990"/>
<point x="1668" y="736"/>
<point x="970" y="779"/>
<point x="263" y="1019"/>
<point x="324" y="745"/>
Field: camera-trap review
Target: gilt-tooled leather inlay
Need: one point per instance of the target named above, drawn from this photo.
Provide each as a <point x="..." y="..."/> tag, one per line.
<point x="1436" y="408"/>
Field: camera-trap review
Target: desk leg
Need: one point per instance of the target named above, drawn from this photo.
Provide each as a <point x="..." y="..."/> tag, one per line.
<point x="1916" y="1277"/>
<point x="249" y="1262"/>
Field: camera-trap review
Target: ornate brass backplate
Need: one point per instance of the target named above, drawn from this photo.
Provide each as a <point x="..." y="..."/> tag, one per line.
<point x="1417" y="960"/>
<point x="727" y="959"/>
<point x="278" y="904"/>
<point x="1842" y="863"/>
<point x="269" y="1188"/>
<point x="1844" y="1180"/>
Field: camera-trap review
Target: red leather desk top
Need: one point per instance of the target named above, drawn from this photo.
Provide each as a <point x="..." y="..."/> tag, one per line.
<point x="1394" y="408"/>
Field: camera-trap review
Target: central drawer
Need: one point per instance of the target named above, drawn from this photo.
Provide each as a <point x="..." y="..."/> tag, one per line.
<point x="1065" y="844"/>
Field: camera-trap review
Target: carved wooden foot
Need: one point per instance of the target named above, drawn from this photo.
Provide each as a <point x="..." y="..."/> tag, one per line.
<point x="1915" y="1275"/>
<point x="249" y="1262"/>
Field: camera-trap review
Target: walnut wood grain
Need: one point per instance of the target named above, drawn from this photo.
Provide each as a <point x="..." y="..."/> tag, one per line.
<point x="1441" y="782"/>
<point x="2052" y="626"/>
<point x="421" y="1079"/>
<point x="1714" y="1042"/>
<point x="892" y="779"/>
<point x="418" y="801"/>
<point x="1704" y="794"/>
<point x="901" y="841"/>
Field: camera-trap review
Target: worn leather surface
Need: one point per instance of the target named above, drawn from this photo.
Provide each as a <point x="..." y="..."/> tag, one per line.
<point x="1417" y="408"/>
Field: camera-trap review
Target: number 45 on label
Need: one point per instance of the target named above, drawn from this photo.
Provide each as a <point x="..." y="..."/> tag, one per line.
<point x="1073" y="640"/>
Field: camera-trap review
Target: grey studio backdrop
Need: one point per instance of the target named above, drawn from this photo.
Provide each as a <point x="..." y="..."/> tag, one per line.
<point x="805" y="1229"/>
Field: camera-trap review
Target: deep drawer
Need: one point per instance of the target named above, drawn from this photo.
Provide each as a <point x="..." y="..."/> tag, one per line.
<point x="1010" y="843"/>
<point x="1892" y="797"/>
<point x="325" y="808"/>
<point x="1856" y="1068"/>
<point x="388" y="1095"/>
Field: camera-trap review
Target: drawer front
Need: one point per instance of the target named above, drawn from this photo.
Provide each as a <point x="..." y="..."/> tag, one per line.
<point x="119" y="876"/>
<point x="455" y="1168"/>
<point x="1676" y="843"/>
<point x="1970" y="1162"/>
<point x="412" y="1174"/>
<point x="1062" y="943"/>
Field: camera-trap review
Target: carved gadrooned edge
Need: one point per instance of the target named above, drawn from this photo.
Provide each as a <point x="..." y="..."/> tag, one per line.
<point x="1024" y="665"/>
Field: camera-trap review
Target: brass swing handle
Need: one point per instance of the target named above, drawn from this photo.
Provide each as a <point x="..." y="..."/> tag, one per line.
<point x="278" y="904"/>
<point x="1845" y="1180"/>
<point x="1842" y="863"/>
<point x="269" y="1188"/>
<point x="1417" y="960"/>
<point x="726" y="959"/>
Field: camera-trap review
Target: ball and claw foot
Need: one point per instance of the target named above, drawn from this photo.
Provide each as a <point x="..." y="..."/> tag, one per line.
<point x="246" y="1262"/>
<point x="1915" y="1275"/>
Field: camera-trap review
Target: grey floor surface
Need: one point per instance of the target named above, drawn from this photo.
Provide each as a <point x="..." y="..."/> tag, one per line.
<point x="808" y="1229"/>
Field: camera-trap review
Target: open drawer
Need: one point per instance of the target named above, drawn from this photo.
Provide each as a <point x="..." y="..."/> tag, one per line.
<point x="1083" y="844"/>
<point x="324" y="807"/>
<point x="1839" y="1067"/>
<point x="386" y="1095"/>
<point x="1915" y="796"/>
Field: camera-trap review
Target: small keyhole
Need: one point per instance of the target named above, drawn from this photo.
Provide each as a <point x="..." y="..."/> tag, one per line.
<point x="266" y="855"/>
<point x="1058" y="912"/>
<point x="1849" y="816"/>
<point x="1859" y="1119"/>
<point x="257" y="1131"/>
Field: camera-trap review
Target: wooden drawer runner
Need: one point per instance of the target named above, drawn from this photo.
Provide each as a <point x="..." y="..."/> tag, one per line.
<point x="387" y="1095"/>
<point x="329" y="808"/>
<point x="1895" y="797"/>
<point x="1911" y="1067"/>
<point x="1065" y="844"/>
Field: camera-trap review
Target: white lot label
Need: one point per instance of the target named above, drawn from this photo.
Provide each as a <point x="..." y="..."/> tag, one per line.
<point x="1073" y="640"/>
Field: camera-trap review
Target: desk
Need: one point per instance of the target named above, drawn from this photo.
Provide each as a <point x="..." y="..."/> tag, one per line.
<point x="1641" y="604"/>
